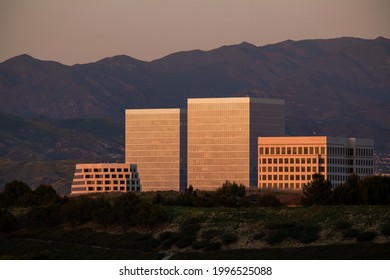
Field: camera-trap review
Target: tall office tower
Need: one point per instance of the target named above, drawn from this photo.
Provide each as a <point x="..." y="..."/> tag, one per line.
<point x="156" y="140"/>
<point x="222" y="138"/>
<point x="290" y="162"/>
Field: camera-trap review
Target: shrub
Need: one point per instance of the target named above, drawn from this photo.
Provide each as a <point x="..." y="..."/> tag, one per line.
<point x="268" y="200"/>
<point x="342" y="225"/>
<point x="8" y="222"/>
<point x="197" y="245"/>
<point x="284" y="225"/>
<point x="229" y="238"/>
<point x="306" y="233"/>
<point x="210" y="234"/>
<point x="213" y="246"/>
<point x="259" y="236"/>
<point x="366" y="236"/>
<point x="43" y="216"/>
<point x="277" y="236"/>
<point x="303" y="233"/>
<point x="351" y="233"/>
<point x="166" y="235"/>
<point x="385" y="229"/>
<point x="188" y="232"/>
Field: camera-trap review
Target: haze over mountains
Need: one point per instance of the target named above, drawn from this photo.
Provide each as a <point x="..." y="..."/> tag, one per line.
<point x="337" y="87"/>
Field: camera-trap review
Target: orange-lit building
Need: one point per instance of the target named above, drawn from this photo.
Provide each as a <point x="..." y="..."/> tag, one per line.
<point x="222" y="138"/>
<point x="105" y="177"/>
<point x="290" y="162"/>
<point x="156" y="140"/>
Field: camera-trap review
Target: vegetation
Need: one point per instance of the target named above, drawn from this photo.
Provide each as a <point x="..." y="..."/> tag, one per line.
<point x="148" y="225"/>
<point x="371" y="190"/>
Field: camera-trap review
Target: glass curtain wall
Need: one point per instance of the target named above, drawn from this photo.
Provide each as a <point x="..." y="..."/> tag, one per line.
<point x="155" y="140"/>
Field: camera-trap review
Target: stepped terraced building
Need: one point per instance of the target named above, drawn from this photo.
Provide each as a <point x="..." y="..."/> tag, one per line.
<point x="290" y="162"/>
<point x="105" y="177"/>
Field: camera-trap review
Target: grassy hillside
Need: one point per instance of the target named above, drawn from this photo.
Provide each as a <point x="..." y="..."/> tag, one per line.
<point x="326" y="232"/>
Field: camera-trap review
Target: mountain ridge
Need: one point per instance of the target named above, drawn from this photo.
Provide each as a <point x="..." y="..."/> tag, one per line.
<point x="336" y="86"/>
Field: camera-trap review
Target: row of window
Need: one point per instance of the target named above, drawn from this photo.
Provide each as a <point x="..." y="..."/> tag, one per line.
<point x="291" y="150"/>
<point x="105" y="188"/>
<point x="290" y="161"/>
<point x="282" y="185"/>
<point x="95" y="170"/>
<point x="338" y="169"/>
<point x="286" y="169"/>
<point x="98" y="176"/>
<point x="100" y="182"/>
<point x="365" y="152"/>
<point x="285" y="177"/>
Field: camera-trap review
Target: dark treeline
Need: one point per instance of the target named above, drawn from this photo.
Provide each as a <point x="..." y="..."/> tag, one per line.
<point x="230" y="194"/>
<point x="371" y="190"/>
<point x="46" y="208"/>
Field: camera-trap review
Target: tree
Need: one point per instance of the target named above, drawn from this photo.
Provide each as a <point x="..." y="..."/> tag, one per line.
<point x="45" y="194"/>
<point x="229" y="194"/>
<point x="347" y="193"/>
<point x="318" y="191"/>
<point x="13" y="193"/>
<point x="374" y="190"/>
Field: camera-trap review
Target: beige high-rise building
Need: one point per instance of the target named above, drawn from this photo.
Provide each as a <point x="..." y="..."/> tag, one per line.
<point x="105" y="177"/>
<point x="156" y="139"/>
<point x="222" y="138"/>
<point x="290" y="162"/>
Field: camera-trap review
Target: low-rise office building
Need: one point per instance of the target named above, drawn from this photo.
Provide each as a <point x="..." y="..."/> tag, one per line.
<point x="290" y="162"/>
<point x="105" y="177"/>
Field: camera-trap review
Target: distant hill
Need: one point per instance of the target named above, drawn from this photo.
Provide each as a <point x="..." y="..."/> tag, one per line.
<point x="337" y="87"/>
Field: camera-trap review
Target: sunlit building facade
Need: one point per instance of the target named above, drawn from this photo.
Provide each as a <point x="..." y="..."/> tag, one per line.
<point x="222" y="138"/>
<point x="156" y="139"/>
<point x="290" y="162"/>
<point x="105" y="177"/>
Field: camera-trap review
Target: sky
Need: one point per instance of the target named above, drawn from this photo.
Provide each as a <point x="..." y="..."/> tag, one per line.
<point x="82" y="31"/>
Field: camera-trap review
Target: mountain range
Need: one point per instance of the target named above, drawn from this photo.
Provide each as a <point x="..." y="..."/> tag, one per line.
<point x="335" y="87"/>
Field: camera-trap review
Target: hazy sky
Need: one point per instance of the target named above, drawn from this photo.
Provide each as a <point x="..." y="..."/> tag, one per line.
<point x="81" y="31"/>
